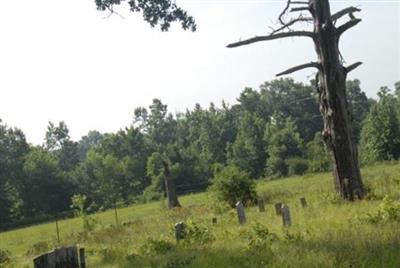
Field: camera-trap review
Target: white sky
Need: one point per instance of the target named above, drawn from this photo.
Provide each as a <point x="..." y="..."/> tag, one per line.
<point x="62" y="60"/>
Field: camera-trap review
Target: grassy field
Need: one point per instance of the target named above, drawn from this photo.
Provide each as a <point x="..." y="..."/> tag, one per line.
<point x="328" y="233"/>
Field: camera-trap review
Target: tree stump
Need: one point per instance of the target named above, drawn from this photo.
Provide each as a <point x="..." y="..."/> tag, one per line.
<point x="59" y="258"/>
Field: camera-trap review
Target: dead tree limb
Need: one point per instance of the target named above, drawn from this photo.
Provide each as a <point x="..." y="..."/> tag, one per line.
<point x="353" y="66"/>
<point x="290" y="23"/>
<point x="272" y="37"/>
<point x="296" y="9"/>
<point x="347" y="25"/>
<point x="300" y="67"/>
<point x="343" y="12"/>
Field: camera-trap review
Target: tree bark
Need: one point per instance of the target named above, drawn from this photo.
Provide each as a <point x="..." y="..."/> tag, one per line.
<point x="170" y="187"/>
<point x="331" y="86"/>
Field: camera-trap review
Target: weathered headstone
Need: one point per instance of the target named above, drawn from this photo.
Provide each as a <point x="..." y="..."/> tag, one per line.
<point x="278" y="208"/>
<point x="179" y="231"/>
<point x="303" y="202"/>
<point x="240" y="212"/>
<point x="261" y="205"/>
<point x="286" y="215"/>
<point x="61" y="257"/>
<point x="214" y="220"/>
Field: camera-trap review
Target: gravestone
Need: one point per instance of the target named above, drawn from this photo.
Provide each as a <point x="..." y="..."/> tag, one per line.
<point x="240" y="212"/>
<point x="286" y="215"/>
<point x="261" y="205"/>
<point x="65" y="257"/>
<point x="278" y="208"/>
<point x="303" y="202"/>
<point x="179" y="231"/>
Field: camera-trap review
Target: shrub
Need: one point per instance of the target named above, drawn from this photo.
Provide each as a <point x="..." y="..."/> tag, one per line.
<point x="5" y="257"/>
<point x="231" y="185"/>
<point x="296" y="166"/>
<point x="154" y="247"/>
<point x="197" y="235"/>
<point x="260" y="238"/>
<point x="389" y="210"/>
<point x="78" y="204"/>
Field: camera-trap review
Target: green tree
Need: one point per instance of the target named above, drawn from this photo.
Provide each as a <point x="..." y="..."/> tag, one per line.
<point x="358" y="106"/>
<point x="162" y="12"/>
<point x="380" y="136"/>
<point x="317" y="155"/>
<point x="283" y="143"/>
<point x="248" y="150"/>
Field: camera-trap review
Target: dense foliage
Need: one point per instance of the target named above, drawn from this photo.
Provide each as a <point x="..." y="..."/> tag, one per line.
<point x="273" y="131"/>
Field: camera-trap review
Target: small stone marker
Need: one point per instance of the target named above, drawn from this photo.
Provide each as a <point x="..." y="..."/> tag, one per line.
<point x="286" y="215"/>
<point x="60" y="257"/>
<point x="278" y="208"/>
<point x="303" y="202"/>
<point x="179" y="231"/>
<point x="240" y="212"/>
<point x="261" y="206"/>
<point x="214" y="220"/>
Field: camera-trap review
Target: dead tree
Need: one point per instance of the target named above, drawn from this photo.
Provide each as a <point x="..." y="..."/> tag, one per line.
<point x="170" y="188"/>
<point x="330" y="83"/>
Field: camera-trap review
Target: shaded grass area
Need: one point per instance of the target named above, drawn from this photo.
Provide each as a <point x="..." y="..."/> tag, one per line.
<point x="325" y="234"/>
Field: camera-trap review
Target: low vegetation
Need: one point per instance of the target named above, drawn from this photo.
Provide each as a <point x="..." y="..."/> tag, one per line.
<point x="327" y="233"/>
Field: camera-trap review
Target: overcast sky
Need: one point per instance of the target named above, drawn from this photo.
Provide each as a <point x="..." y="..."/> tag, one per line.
<point x="63" y="60"/>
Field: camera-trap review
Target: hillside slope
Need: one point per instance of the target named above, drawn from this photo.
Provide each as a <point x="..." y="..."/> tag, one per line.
<point x="327" y="233"/>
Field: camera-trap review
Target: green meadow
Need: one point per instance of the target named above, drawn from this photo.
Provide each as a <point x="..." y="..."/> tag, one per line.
<point x="327" y="233"/>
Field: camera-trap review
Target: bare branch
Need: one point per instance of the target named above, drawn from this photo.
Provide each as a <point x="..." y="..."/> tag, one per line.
<point x="283" y="12"/>
<point x="300" y="67"/>
<point x="272" y="37"/>
<point x="347" y="25"/>
<point x="299" y="2"/>
<point x="343" y="12"/>
<point x="353" y="66"/>
<point x="295" y="9"/>
<point x="290" y="23"/>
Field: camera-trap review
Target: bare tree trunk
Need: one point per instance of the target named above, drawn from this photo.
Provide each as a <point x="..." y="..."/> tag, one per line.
<point x="170" y="187"/>
<point x="331" y="86"/>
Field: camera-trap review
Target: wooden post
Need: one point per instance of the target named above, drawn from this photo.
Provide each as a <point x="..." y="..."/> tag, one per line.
<point x="278" y="208"/>
<point x="179" y="231"/>
<point x="240" y="212"/>
<point x="58" y="232"/>
<point x="303" y="202"/>
<point x="82" y="261"/>
<point x="261" y="205"/>
<point x="116" y="213"/>
<point x="286" y="215"/>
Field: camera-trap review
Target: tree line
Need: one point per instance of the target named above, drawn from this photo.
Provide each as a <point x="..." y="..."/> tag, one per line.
<point x="272" y="131"/>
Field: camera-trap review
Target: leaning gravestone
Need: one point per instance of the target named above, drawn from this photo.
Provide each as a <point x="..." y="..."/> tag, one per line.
<point x="65" y="257"/>
<point x="179" y="231"/>
<point x="286" y="215"/>
<point x="278" y="208"/>
<point x="240" y="212"/>
<point x="261" y="205"/>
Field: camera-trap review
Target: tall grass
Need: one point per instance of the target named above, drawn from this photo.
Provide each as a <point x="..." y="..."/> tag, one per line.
<point x="328" y="233"/>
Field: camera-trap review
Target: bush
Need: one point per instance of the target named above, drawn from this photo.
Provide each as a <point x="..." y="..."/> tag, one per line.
<point x="296" y="166"/>
<point x="156" y="247"/>
<point x="260" y="238"/>
<point x="231" y="185"/>
<point x="389" y="210"/>
<point x="196" y="235"/>
<point x="5" y="257"/>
